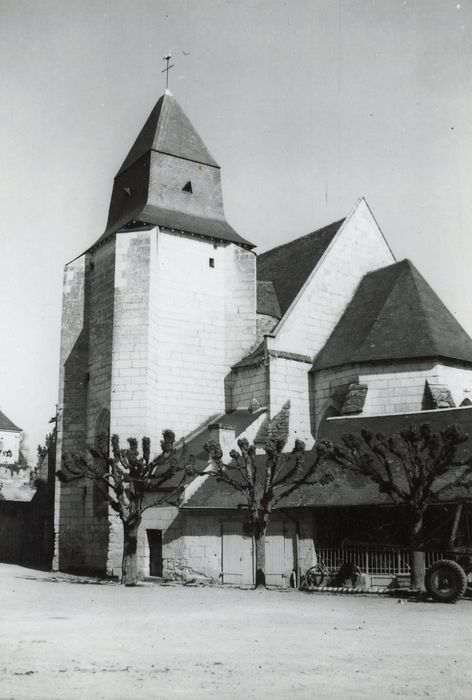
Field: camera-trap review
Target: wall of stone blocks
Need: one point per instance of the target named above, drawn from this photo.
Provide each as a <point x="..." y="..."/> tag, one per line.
<point x="167" y="519"/>
<point x="240" y="302"/>
<point x="71" y="423"/>
<point x="202" y="545"/>
<point x="458" y="379"/>
<point x="289" y="380"/>
<point x="85" y="391"/>
<point x="203" y="321"/>
<point x="192" y="546"/>
<point x="393" y="387"/>
<point x="133" y="379"/>
<point x="249" y="383"/>
<point x="357" y="249"/>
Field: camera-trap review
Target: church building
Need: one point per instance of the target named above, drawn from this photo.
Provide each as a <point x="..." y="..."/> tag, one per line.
<point x="171" y="320"/>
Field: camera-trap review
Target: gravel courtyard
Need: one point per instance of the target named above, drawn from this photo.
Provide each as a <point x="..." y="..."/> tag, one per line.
<point x="62" y="638"/>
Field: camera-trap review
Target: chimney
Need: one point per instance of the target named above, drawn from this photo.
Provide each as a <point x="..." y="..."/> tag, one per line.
<point x="225" y="436"/>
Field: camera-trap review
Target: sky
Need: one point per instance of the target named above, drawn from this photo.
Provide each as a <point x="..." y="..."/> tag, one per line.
<point x="305" y="104"/>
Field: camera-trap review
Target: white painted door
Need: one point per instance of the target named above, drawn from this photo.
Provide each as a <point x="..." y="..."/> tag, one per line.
<point x="237" y="555"/>
<point x="280" y="560"/>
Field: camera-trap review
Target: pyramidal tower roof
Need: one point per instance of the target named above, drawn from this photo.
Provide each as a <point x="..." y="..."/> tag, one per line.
<point x="169" y="130"/>
<point x="395" y="314"/>
<point x="170" y="179"/>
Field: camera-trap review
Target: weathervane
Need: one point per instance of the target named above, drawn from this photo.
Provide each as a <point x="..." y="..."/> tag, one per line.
<point x="167" y="68"/>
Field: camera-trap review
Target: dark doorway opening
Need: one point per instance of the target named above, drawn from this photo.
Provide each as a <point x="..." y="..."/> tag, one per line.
<point x="155" y="552"/>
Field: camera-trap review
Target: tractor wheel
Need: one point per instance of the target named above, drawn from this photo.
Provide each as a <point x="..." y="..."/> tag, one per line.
<point x="446" y="581"/>
<point x="466" y="563"/>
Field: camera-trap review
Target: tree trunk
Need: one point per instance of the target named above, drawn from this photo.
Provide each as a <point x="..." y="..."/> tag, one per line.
<point x="417" y="559"/>
<point x="260" y="559"/>
<point x="129" y="571"/>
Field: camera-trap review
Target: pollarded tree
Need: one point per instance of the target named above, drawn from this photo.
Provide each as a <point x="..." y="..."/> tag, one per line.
<point x="124" y="478"/>
<point x="262" y="483"/>
<point x="414" y="468"/>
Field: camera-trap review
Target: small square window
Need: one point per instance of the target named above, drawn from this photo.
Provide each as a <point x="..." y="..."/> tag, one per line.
<point x="211" y="262"/>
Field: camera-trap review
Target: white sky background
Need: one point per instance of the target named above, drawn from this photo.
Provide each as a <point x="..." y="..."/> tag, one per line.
<point x="306" y="105"/>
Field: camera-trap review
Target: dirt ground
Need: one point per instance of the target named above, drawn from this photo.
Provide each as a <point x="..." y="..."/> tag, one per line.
<point x="62" y="638"/>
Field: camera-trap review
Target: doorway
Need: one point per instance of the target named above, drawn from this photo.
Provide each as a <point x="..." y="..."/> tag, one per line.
<point x="154" y="538"/>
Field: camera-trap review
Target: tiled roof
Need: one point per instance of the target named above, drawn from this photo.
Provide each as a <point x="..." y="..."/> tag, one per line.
<point x="335" y="487"/>
<point x="169" y="130"/>
<point x="7" y="424"/>
<point x="289" y="266"/>
<point x="267" y="302"/>
<point x="393" y="315"/>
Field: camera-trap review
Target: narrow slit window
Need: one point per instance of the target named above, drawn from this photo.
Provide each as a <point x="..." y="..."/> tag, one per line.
<point x="187" y="187"/>
<point x="211" y="262"/>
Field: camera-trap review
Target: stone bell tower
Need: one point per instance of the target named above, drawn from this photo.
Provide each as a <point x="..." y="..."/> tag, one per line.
<point x="155" y="314"/>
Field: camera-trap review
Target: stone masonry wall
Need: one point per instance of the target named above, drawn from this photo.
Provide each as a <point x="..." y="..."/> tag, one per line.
<point x="289" y="380"/>
<point x="357" y="249"/>
<point x="192" y="541"/>
<point x="458" y="380"/>
<point x="132" y="379"/>
<point x="203" y="321"/>
<point x="86" y="385"/>
<point x="249" y="383"/>
<point x="71" y="423"/>
<point x="393" y="387"/>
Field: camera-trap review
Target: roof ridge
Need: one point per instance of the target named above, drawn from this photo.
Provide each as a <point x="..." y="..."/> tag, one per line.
<point x="427" y="320"/>
<point x="374" y="319"/>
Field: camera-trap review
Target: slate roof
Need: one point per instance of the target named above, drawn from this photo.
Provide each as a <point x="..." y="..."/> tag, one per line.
<point x="267" y="302"/>
<point x="335" y="488"/>
<point x="240" y="420"/>
<point x="150" y="188"/>
<point x="7" y="424"/>
<point x="288" y="266"/>
<point x="169" y="130"/>
<point x="393" y="315"/>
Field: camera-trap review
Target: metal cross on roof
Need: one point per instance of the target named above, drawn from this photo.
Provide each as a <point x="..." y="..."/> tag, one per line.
<point x="167" y="68"/>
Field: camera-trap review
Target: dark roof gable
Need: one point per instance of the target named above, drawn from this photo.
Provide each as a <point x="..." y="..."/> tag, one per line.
<point x="267" y="302"/>
<point x="7" y="424"/>
<point x="393" y="315"/>
<point x="288" y="266"/>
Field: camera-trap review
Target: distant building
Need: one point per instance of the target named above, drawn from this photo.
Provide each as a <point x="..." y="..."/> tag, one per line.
<point x="9" y="441"/>
<point x="170" y="320"/>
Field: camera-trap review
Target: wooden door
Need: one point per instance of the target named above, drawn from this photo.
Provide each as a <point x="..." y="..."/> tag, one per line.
<point x="155" y="552"/>
<point x="280" y="560"/>
<point x="237" y="554"/>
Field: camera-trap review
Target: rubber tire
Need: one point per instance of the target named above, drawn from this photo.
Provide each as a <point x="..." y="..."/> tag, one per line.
<point x="466" y="563"/>
<point x="314" y="577"/>
<point x="455" y="577"/>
